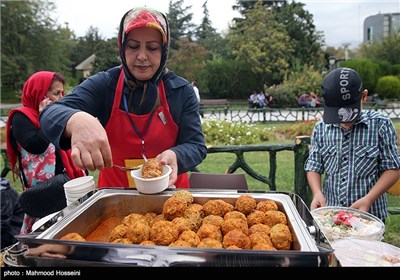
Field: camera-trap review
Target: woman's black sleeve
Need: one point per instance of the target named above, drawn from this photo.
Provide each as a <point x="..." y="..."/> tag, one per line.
<point x="28" y="135"/>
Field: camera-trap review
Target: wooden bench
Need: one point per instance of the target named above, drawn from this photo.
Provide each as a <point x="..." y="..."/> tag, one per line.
<point x="214" y="104"/>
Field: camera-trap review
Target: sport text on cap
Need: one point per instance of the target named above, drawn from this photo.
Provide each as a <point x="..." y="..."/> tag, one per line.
<point x="341" y="91"/>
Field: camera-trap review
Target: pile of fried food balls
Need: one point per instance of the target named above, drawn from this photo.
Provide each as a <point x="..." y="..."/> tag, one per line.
<point x="247" y="224"/>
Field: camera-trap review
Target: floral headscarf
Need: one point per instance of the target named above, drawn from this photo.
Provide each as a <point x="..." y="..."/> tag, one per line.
<point x="139" y="18"/>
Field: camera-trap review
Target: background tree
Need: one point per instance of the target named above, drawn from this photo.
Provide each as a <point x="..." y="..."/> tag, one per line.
<point x="29" y="42"/>
<point x="180" y="22"/>
<point x="189" y="60"/>
<point x="305" y="40"/>
<point x="263" y="43"/>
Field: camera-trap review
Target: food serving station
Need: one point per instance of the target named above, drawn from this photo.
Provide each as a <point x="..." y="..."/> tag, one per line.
<point x="309" y="247"/>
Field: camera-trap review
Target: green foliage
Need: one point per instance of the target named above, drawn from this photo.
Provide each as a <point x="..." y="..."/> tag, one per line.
<point x="388" y="87"/>
<point x="387" y="50"/>
<point x="219" y="132"/>
<point x="227" y="79"/>
<point x="305" y="80"/>
<point x="367" y="69"/>
<point x="297" y="129"/>
<point x="262" y="43"/>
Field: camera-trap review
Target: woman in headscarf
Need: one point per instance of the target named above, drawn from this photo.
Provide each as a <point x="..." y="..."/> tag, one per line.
<point x="31" y="155"/>
<point x="135" y="109"/>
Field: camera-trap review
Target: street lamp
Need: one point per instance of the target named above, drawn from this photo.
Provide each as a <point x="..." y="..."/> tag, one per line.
<point x="332" y="62"/>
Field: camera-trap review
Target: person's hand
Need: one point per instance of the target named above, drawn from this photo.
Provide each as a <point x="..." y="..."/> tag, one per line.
<point x="50" y="251"/>
<point x="362" y="204"/>
<point x="318" y="201"/>
<point x="44" y="103"/>
<point x="168" y="157"/>
<point x="89" y="142"/>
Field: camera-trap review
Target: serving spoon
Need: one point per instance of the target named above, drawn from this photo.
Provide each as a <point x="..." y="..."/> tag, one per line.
<point x="124" y="168"/>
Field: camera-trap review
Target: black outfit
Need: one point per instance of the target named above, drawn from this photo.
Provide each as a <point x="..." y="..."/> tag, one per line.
<point x="11" y="214"/>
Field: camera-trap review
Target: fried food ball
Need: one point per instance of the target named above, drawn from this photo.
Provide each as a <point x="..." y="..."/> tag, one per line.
<point x="182" y="224"/>
<point x="185" y="195"/>
<point x="195" y="220"/>
<point x="119" y="232"/>
<point x="274" y="217"/>
<point x="259" y="228"/>
<point x="237" y="238"/>
<point x="127" y="220"/>
<point x="209" y="231"/>
<point x="195" y="207"/>
<point x="147" y="243"/>
<point x="245" y="204"/>
<point x="73" y="236"/>
<point x="174" y="207"/>
<point x="259" y="237"/>
<point x="266" y="205"/>
<point x="150" y="217"/>
<point x="191" y="237"/>
<point x="164" y="233"/>
<point x="180" y="243"/>
<point x="256" y="217"/>
<point x="235" y="214"/>
<point x="151" y="169"/>
<point x="264" y="246"/>
<point x="210" y="243"/>
<point x="281" y="237"/>
<point x="231" y="224"/>
<point x="159" y="217"/>
<point x="217" y="207"/>
<point x="121" y="241"/>
<point x="233" y="247"/>
<point x="138" y="231"/>
<point x="214" y="220"/>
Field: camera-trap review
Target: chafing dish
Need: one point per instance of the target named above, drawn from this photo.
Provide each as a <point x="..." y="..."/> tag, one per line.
<point x="310" y="248"/>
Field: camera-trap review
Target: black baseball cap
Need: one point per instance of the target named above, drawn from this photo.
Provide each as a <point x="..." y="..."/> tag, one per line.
<point x="342" y="93"/>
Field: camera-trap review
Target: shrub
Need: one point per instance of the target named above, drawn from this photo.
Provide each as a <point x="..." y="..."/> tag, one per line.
<point x="388" y="87"/>
<point x="220" y="132"/>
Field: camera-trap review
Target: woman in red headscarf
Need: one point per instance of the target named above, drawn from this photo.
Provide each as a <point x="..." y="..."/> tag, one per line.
<point x="138" y="108"/>
<point x="31" y="155"/>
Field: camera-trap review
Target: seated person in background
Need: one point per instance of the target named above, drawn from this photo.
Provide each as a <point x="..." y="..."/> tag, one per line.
<point x="253" y="101"/>
<point x="304" y="100"/>
<point x="269" y="100"/>
<point x="314" y="100"/>
<point x="261" y="99"/>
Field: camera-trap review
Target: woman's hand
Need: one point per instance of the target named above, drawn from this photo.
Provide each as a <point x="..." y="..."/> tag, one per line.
<point x="44" y="103"/>
<point x="89" y="142"/>
<point x="168" y="157"/>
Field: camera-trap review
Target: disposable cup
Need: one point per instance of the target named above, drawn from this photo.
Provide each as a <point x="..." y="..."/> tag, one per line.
<point x="78" y="187"/>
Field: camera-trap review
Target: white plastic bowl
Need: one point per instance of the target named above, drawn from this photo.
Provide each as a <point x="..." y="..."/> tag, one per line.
<point x="151" y="185"/>
<point x="371" y="227"/>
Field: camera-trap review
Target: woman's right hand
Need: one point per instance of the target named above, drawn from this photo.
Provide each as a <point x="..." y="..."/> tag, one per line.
<point x="44" y="103"/>
<point x="89" y="142"/>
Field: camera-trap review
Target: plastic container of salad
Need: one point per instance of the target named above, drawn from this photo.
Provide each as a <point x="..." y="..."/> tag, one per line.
<point x="340" y="222"/>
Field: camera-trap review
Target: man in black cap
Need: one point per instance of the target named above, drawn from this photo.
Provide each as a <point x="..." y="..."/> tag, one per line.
<point x="356" y="149"/>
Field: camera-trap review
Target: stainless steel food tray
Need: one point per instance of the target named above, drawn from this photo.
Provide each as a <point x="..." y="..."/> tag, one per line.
<point x="85" y="216"/>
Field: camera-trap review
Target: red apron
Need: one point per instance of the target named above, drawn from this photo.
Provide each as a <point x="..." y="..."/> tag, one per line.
<point x="126" y="145"/>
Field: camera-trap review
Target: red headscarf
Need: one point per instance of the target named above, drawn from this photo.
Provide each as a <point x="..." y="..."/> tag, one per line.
<point x="34" y="91"/>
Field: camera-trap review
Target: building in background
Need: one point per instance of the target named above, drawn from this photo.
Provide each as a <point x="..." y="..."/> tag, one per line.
<point x="379" y="26"/>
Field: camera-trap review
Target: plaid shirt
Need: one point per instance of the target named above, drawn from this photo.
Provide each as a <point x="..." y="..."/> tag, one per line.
<point x="353" y="160"/>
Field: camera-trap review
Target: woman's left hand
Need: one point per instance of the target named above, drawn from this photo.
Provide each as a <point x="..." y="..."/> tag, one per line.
<point x="168" y="157"/>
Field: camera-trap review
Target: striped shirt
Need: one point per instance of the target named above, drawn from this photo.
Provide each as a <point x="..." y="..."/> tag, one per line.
<point x="353" y="160"/>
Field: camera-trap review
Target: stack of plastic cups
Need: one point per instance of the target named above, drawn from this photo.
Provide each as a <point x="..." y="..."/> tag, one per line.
<point x="78" y="187"/>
